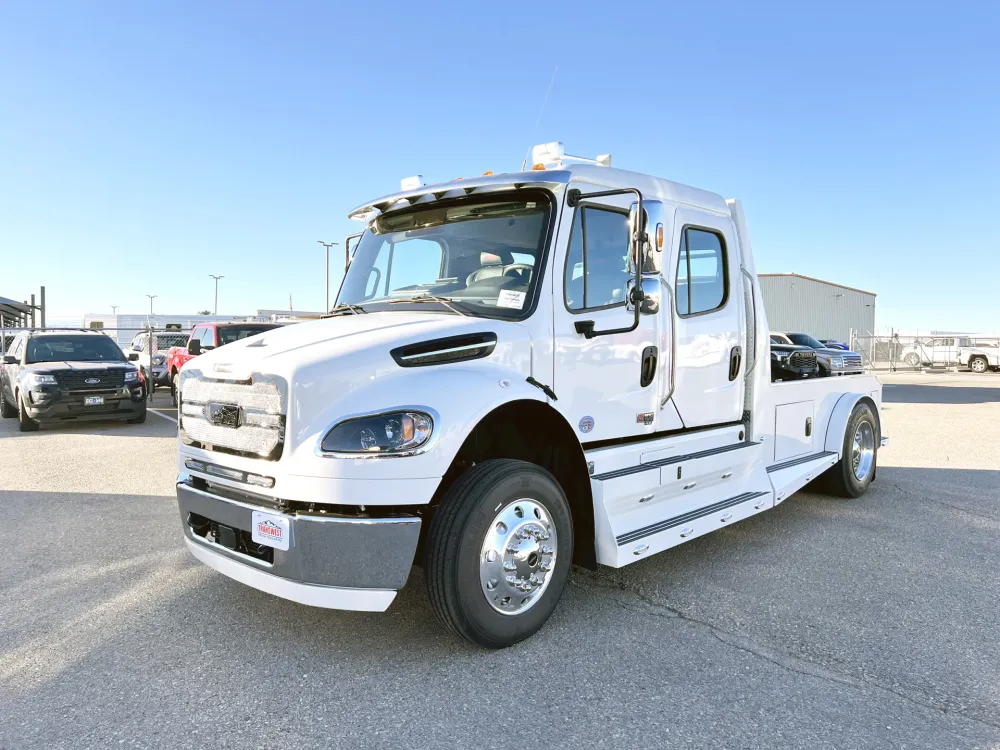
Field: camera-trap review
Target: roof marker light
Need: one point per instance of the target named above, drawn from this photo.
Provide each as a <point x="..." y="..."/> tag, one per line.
<point x="537" y="167"/>
<point x="412" y="183"/>
<point x="488" y="173"/>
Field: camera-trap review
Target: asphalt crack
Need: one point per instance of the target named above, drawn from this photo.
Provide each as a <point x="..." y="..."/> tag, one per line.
<point x="916" y="496"/>
<point x="783" y="660"/>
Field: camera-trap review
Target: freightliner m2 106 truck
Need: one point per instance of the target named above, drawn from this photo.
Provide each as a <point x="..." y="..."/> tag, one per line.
<point x="523" y="372"/>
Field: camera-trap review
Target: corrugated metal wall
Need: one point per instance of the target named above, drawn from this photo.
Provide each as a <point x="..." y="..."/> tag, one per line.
<point x="826" y="311"/>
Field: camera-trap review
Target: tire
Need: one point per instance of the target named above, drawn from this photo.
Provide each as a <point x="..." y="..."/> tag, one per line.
<point x="481" y="510"/>
<point x="139" y="419"/>
<point x="912" y="359"/>
<point x="843" y="478"/>
<point x="6" y="410"/>
<point x="979" y="364"/>
<point x="173" y="387"/>
<point x="24" y="422"/>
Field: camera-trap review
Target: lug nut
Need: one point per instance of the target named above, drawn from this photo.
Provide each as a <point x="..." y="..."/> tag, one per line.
<point x="512" y="580"/>
<point x="544" y="567"/>
<point x="546" y="549"/>
<point x="509" y="566"/>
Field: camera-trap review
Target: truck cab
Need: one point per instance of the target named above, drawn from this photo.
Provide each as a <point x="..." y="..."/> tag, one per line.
<point x="525" y="371"/>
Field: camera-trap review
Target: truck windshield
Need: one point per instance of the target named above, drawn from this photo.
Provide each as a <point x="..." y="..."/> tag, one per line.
<point x="804" y="339"/>
<point x="73" y="349"/>
<point x="229" y="334"/>
<point x="477" y="256"/>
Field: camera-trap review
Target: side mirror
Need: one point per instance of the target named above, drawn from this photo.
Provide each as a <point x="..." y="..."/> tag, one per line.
<point x="9" y="360"/>
<point x="133" y="356"/>
<point x="194" y="347"/>
<point x="651" y="295"/>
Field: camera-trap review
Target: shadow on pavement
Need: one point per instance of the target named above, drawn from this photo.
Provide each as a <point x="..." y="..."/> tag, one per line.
<point x="909" y="393"/>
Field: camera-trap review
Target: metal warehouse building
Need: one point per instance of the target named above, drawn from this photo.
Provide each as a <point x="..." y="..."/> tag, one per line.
<point x="820" y="308"/>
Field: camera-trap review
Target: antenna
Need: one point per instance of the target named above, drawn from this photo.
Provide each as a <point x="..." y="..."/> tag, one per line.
<point x="539" y="120"/>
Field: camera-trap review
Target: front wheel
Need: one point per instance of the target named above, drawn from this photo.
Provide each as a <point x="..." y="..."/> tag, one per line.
<point x="499" y="550"/>
<point x="24" y="422"/>
<point x="853" y="474"/>
<point x="912" y="360"/>
<point x="6" y="410"/>
<point x="978" y="364"/>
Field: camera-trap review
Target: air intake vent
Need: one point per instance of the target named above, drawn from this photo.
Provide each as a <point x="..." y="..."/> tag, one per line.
<point x="442" y="351"/>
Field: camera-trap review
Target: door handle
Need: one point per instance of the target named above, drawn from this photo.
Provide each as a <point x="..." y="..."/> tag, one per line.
<point x="648" y="366"/>
<point x="735" y="359"/>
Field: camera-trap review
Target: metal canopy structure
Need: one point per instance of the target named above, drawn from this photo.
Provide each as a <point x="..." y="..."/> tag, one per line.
<point x="15" y="314"/>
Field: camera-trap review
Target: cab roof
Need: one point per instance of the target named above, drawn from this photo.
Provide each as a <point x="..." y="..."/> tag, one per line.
<point x="653" y="188"/>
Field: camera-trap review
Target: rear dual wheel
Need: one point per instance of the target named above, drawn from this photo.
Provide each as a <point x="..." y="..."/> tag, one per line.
<point x="499" y="550"/>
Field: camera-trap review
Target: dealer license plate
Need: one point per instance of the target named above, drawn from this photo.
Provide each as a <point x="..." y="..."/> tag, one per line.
<point x="270" y="530"/>
<point x="93" y="400"/>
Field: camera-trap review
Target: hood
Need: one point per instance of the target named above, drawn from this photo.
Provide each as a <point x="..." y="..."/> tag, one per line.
<point x="790" y="348"/>
<point x="359" y="337"/>
<point x="828" y="352"/>
<point x="42" y="367"/>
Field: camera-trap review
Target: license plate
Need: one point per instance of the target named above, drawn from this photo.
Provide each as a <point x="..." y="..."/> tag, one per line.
<point x="270" y="530"/>
<point x="93" y="400"/>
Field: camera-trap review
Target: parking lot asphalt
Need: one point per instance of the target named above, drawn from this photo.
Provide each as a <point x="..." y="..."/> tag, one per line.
<point x="824" y="623"/>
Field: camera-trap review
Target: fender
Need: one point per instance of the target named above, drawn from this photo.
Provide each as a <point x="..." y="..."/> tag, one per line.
<point x="838" y="421"/>
<point x="459" y="396"/>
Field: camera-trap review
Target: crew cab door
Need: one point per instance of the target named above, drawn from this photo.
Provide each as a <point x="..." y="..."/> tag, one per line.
<point x="606" y="386"/>
<point x="708" y="319"/>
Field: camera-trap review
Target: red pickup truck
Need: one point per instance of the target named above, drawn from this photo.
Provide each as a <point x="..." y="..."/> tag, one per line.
<point x="205" y="336"/>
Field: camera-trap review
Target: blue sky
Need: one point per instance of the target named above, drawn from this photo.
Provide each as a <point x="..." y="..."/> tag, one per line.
<point x="145" y="145"/>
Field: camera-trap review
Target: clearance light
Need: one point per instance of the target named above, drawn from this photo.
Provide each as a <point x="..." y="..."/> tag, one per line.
<point x="412" y="183"/>
<point x="659" y="236"/>
<point x="537" y="167"/>
<point x="488" y="173"/>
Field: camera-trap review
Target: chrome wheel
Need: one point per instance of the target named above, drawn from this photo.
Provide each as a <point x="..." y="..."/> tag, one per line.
<point x="517" y="556"/>
<point x="978" y="365"/>
<point x="863" y="452"/>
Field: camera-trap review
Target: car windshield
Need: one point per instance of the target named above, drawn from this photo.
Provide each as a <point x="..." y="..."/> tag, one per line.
<point x="73" y="349"/>
<point x="804" y="339"/>
<point x="229" y="334"/>
<point x="477" y="256"/>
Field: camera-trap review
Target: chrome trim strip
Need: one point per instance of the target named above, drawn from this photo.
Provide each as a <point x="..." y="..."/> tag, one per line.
<point x="671" y="460"/>
<point x="447" y="351"/>
<point x="800" y="460"/>
<point x="656" y="528"/>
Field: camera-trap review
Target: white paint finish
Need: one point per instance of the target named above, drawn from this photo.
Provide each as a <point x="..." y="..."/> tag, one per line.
<point x="791" y="480"/>
<point x="790" y="439"/>
<point x="327" y="597"/>
<point x="704" y="394"/>
<point x="623" y="456"/>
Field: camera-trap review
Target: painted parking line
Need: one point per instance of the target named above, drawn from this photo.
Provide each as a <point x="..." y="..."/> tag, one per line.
<point x="161" y="414"/>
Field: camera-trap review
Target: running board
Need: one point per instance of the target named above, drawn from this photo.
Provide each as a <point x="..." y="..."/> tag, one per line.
<point x="790" y="476"/>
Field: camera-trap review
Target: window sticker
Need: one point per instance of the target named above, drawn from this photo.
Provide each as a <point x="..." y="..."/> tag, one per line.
<point x="512" y="299"/>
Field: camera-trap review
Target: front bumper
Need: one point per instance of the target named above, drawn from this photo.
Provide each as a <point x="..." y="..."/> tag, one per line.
<point x="334" y="562"/>
<point x="52" y="405"/>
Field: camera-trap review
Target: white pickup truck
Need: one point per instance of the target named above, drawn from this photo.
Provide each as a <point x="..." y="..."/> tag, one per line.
<point x="525" y="371"/>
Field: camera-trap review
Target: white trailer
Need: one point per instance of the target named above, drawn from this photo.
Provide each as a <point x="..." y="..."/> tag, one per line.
<point x="523" y="371"/>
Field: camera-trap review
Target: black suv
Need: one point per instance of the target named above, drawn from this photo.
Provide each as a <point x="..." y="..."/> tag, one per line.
<point x="53" y="376"/>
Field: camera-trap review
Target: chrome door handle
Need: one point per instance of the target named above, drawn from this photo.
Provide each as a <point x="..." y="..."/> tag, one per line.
<point x="723" y="519"/>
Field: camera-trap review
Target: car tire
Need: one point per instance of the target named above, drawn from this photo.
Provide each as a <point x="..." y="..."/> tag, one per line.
<point x="7" y="411"/>
<point x="173" y="387"/>
<point x="502" y="526"/>
<point x="851" y="476"/>
<point x="139" y="418"/>
<point x="912" y="359"/>
<point x="24" y="422"/>
<point x="979" y="365"/>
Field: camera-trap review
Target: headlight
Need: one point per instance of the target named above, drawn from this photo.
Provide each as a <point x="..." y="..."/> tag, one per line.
<point x="131" y="376"/>
<point x="397" y="432"/>
<point x="159" y="359"/>
<point x="780" y="356"/>
<point x="832" y="362"/>
<point x="33" y="379"/>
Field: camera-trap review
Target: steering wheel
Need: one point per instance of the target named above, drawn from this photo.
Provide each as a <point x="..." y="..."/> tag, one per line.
<point x="517" y="268"/>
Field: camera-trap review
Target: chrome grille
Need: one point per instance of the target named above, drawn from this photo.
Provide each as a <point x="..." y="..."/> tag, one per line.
<point x="802" y="359"/>
<point x="242" y="417"/>
<point x="851" y="359"/>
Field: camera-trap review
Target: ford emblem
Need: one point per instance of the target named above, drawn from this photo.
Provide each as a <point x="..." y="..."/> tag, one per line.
<point x="92" y="381"/>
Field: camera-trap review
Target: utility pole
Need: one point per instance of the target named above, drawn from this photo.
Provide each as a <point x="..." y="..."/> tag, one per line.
<point x="42" y="303"/>
<point x="327" y="245"/>
<point x="212" y="275"/>
<point x="114" y="308"/>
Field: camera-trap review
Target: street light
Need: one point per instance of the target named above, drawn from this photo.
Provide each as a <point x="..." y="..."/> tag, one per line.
<point x="151" y="298"/>
<point x="327" y="245"/>
<point x="216" y="290"/>
<point x="114" y="308"/>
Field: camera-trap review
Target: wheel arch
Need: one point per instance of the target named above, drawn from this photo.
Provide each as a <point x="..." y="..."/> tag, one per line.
<point x="533" y="431"/>
<point x="841" y="415"/>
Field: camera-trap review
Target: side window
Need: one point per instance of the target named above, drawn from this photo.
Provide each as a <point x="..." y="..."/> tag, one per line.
<point x="414" y="262"/>
<point x="702" y="280"/>
<point x="597" y="268"/>
<point x="207" y="336"/>
<point x="196" y="333"/>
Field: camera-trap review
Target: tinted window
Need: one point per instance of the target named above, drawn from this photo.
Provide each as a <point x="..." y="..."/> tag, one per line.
<point x="804" y="339"/>
<point x="207" y="336"/>
<point x="229" y="334"/>
<point x="701" y="272"/>
<point x="73" y="349"/>
<point x="597" y="267"/>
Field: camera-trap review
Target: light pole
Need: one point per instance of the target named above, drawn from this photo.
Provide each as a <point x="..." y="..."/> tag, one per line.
<point x="114" y="308"/>
<point x="151" y="298"/>
<point x="212" y="275"/>
<point x="327" y="245"/>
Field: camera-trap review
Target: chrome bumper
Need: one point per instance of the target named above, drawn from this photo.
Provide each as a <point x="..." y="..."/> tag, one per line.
<point x="338" y="563"/>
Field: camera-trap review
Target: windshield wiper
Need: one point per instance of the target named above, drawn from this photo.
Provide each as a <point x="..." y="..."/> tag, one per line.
<point x="427" y="297"/>
<point x="346" y="307"/>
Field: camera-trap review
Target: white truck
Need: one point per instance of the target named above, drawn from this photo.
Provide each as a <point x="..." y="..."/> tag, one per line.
<point x="524" y="371"/>
<point x="980" y="353"/>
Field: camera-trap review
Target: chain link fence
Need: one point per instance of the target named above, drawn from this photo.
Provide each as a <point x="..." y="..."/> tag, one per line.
<point x="900" y="352"/>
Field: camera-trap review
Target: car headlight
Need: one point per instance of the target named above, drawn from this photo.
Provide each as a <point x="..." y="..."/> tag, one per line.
<point x="834" y="362"/>
<point x="780" y="356"/>
<point x="392" y="433"/>
<point x="33" y="379"/>
<point x="159" y="359"/>
<point x="131" y="375"/>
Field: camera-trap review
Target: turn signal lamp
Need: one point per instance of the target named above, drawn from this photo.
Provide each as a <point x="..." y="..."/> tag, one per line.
<point x="659" y="236"/>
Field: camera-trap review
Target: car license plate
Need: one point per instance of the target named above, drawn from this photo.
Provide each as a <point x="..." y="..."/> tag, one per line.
<point x="270" y="530"/>
<point x="93" y="400"/>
